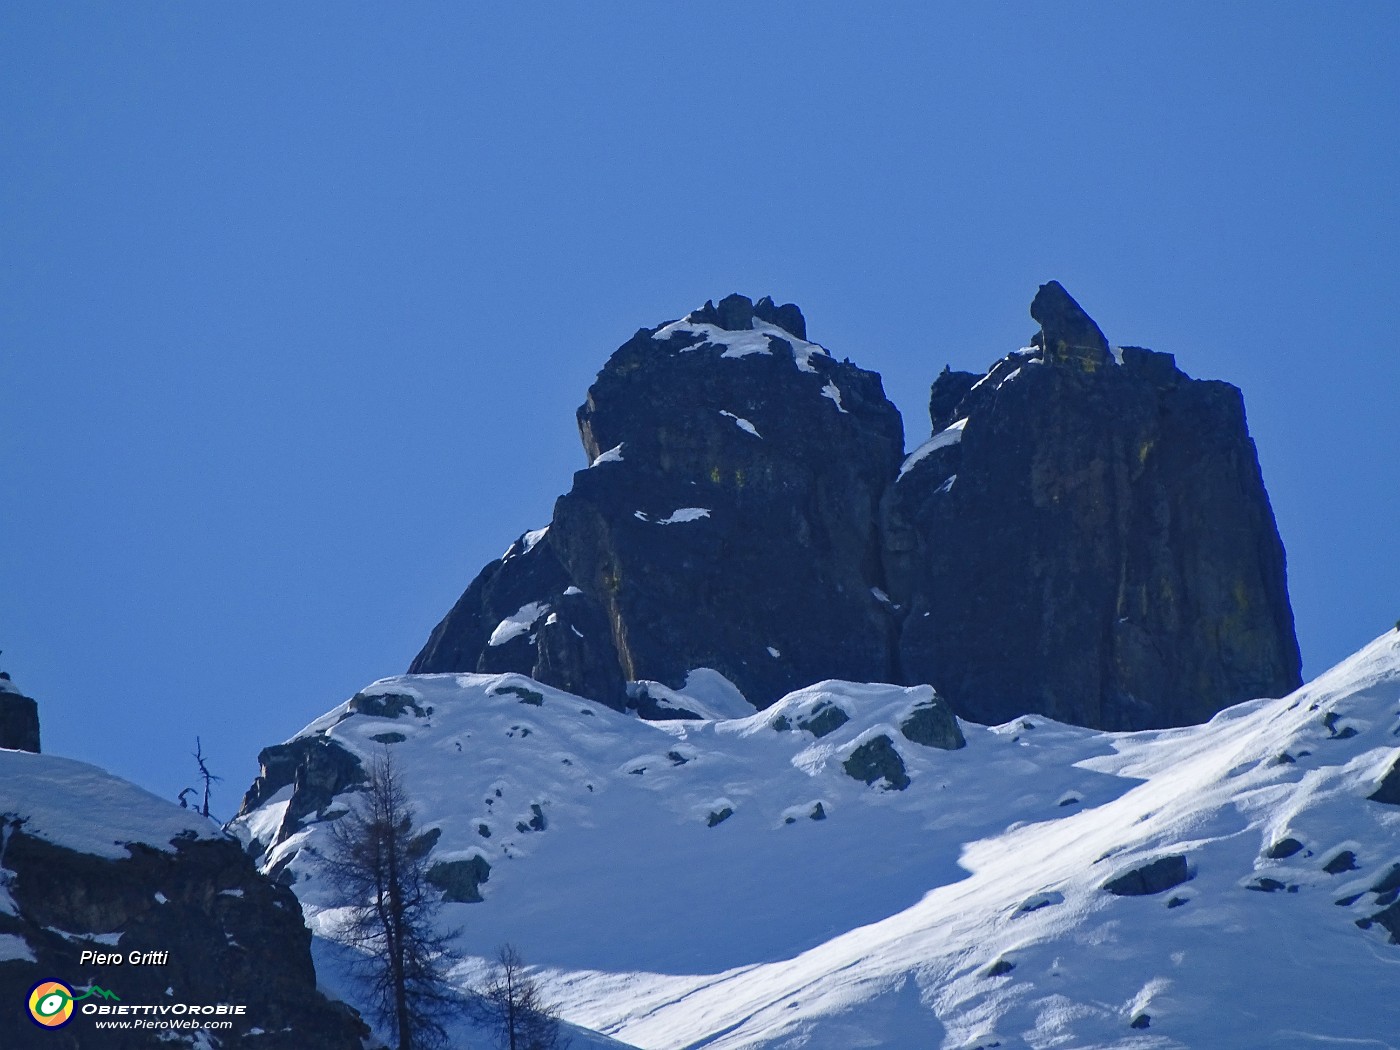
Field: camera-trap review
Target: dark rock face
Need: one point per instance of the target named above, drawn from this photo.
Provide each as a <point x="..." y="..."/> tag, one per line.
<point x="1067" y="334"/>
<point x="232" y="937"/>
<point x="1086" y="536"/>
<point x="563" y="637"/>
<point x="737" y="529"/>
<point x="1089" y="540"/>
<point x="1159" y="876"/>
<point x="317" y="769"/>
<point x="19" y="719"/>
<point x="730" y="521"/>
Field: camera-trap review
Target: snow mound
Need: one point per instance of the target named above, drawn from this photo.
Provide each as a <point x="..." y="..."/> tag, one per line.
<point x="728" y="883"/>
<point x="87" y="809"/>
<point x="756" y="340"/>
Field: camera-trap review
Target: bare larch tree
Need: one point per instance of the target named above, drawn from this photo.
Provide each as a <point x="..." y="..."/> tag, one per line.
<point x="377" y="867"/>
<point x="512" y="1006"/>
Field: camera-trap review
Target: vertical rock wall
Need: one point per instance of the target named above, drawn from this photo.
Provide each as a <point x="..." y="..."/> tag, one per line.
<point x="1086" y="534"/>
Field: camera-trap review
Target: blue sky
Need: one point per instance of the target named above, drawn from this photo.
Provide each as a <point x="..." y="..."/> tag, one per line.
<point x="297" y="301"/>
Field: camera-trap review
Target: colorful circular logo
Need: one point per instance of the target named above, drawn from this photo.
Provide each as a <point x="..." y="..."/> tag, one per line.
<point x="51" y="1004"/>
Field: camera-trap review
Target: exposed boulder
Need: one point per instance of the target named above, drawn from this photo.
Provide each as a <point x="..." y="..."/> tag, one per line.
<point x="460" y="880"/>
<point x="1089" y="540"/>
<point x="1159" y="876"/>
<point x="1000" y="968"/>
<point x="387" y="705"/>
<point x="1388" y="791"/>
<point x="823" y="718"/>
<point x="933" y="724"/>
<point x="877" y="759"/>
<point x="1388" y="918"/>
<point x="1343" y="861"/>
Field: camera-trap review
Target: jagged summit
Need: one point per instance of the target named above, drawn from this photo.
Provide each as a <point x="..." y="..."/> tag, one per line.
<point x="1079" y="538"/>
<point x="1067" y="333"/>
<point x="736" y="313"/>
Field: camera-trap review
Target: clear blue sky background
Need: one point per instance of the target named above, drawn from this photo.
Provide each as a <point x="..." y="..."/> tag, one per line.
<point x="297" y="301"/>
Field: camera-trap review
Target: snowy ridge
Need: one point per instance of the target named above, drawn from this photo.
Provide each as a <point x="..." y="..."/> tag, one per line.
<point x="967" y="910"/>
<point x="949" y="435"/>
<point x="86" y="809"/>
<point x="756" y="340"/>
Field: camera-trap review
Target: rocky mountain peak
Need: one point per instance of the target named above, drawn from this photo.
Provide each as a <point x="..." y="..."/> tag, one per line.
<point x="736" y="313"/>
<point x="1078" y="538"/>
<point x="1067" y="334"/>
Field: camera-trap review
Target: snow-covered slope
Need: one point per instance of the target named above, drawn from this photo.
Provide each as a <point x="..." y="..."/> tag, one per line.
<point x="728" y="884"/>
<point x="88" y="810"/>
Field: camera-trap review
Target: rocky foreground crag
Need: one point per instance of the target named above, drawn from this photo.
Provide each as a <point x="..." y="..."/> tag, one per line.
<point x="1085" y="534"/>
<point x="91" y="862"/>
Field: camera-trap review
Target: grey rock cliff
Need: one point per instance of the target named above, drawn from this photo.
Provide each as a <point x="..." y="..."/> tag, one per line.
<point x="1094" y="542"/>
<point x="1087" y="535"/>
<point x="231" y="935"/>
<point x="730" y="521"/>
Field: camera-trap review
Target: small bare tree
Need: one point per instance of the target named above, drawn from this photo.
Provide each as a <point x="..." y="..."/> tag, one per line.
<point x="512" y="1006"/>
<point x="209" y="778"/>
<point x="378" y="869"/>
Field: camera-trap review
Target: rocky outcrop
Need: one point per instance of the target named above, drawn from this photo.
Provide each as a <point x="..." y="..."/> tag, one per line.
<point x="220" y="931"/>
<point x="1388" y="790"/>
<point x="524" y="614"/>
<point x="1086" y="534"/>
<point x="933" y="724"/>
<point x="729" y="521"/>
<point x="877" y="759"/>
<point x="19" y="718"/>
<point x="1162" y="874"/>
<point x="315" y="768"/>
<point x="1088" y="539"/>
